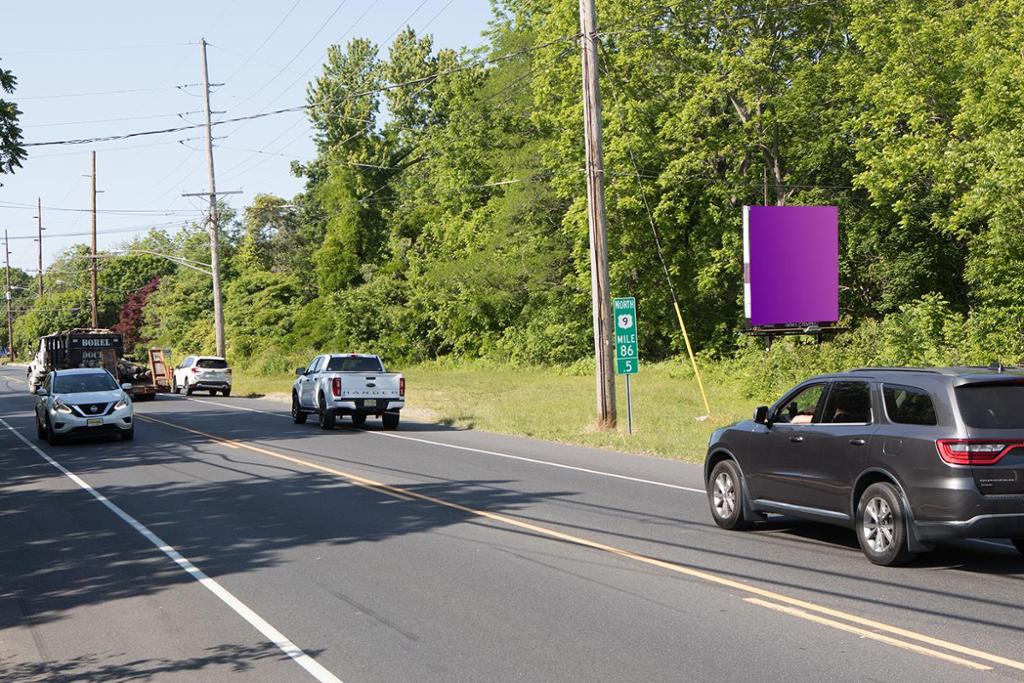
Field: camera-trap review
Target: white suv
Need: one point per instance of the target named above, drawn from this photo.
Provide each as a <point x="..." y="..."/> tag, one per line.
<point x="209" y="373"/>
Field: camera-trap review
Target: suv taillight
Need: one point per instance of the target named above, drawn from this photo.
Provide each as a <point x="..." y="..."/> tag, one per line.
<point x="336" y="386"/>
<point x="401" y="386"/>
<point x="195" y="370"/>
<point x="973" y="451"/>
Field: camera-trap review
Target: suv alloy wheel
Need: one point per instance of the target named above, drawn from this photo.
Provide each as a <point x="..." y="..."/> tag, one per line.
<point x="725" y="496"/>
<point x="882" y="526"/>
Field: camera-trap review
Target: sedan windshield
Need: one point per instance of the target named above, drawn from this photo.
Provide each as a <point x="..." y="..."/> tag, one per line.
<point x="83" y="383"/>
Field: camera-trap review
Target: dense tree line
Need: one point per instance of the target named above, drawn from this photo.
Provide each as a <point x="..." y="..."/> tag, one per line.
<point x="444" y="212"/>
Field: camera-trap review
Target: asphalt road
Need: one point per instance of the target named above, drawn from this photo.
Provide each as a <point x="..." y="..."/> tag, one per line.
<point x="230" y="542"/>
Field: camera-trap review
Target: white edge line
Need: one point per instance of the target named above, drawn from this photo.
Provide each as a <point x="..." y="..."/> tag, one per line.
<point x="482" y="451"/>
<point x="286" y="646"/>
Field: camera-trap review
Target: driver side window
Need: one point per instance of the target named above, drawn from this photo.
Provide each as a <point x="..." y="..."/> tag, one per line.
<point x="801" y="407"/>
<point x="315" y="365"/>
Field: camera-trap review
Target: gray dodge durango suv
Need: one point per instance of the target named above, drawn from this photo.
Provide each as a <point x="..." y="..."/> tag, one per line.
<point x="904" y="456"/>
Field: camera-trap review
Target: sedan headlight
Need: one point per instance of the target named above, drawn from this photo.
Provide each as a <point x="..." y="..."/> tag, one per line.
<point x="61" y="407"/>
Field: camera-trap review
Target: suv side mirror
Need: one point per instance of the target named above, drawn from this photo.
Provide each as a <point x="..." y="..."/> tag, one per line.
<point x="300" y="371"/>
<point x="126" y="387"/>
<point x="761" y="415"/>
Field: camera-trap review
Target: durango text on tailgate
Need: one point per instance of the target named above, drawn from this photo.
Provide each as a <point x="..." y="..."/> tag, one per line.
<point x="352" y="384"/>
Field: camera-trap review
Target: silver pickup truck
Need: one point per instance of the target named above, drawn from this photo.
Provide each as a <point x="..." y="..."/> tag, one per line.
<point x="350" y="384"/>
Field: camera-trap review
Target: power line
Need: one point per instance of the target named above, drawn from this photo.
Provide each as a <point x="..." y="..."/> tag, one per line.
<point x="21" y="206"/>
<point x="265" y="41"/>
<point x="405" y="21"/>
<point x="97" y="48"/>
<point x="176" y="129"/>
<point x="122" y="118"/>
<point x="99" y="92"/>
<point x="301" y="49"/>
<point x="118" y="231"/>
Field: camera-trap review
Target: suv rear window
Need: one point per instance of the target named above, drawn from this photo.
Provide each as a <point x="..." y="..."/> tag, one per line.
<point x="354" y="365"/>
<point x="909" y="405"/>
<point x="212" y="363"/>
<point x="988" y="406"/>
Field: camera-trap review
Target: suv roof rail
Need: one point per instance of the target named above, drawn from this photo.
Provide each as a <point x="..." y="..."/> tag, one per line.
<point x="929" y="371"/>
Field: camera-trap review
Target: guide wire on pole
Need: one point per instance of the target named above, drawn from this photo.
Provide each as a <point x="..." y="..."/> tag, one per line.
<point x="657" y="242"/>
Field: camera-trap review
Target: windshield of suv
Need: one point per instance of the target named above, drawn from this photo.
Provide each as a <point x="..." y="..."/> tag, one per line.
<point x="80" y="384"/>
<point x="354" y="365"/>
<point x="212" y="363"/>
<point x="999" y="406"/>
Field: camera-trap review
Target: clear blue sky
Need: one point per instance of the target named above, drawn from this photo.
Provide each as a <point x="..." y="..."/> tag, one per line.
<point x="60" y="52"/>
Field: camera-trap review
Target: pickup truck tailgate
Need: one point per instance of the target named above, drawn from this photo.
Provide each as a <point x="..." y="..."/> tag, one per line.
<point x="356" y="385"/>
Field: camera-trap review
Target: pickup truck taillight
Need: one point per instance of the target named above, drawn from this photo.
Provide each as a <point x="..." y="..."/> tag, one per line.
<point x="401" y="386"/>
<point x="973" y="451"/>
<point x="336" y="386"/>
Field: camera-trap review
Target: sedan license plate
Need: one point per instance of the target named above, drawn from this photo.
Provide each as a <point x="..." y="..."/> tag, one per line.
<point x="94" y="422"/>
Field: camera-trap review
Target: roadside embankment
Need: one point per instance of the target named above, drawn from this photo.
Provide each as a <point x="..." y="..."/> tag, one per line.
<point x="557" y="404"/>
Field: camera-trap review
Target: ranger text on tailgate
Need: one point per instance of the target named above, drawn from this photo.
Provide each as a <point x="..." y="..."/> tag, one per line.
<point x="350" y="384"/>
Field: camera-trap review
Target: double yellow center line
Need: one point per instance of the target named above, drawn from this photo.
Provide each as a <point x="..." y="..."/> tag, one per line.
<point x="905" y="639"/>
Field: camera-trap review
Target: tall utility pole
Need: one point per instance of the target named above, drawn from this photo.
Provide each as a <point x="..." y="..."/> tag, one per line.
<point x="600" y="287"/>
<point x="10" y="299"/>
<point x="95" y="311"/>
<point x="218" y="304"/>
<point x="39" y="238"/>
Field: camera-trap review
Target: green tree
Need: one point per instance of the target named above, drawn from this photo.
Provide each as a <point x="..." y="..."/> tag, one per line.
<point x="12" y="153"/>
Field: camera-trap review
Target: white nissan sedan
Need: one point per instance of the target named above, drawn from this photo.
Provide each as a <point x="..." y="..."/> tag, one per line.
<point x="83" y="402"/>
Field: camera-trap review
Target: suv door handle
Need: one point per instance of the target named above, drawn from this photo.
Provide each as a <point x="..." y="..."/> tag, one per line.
<point x="796" y="439"/>
<point x="857" y="442"/>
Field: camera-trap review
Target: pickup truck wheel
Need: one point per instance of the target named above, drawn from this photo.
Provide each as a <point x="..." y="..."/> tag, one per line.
<point x="358" y="419"/>
<point x="325" y="416"/>
<point x="390" y="420"/>
<point x="298" y="417"/>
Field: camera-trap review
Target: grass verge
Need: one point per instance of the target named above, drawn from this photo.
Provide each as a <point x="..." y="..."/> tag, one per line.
<point x="552" y="404"/>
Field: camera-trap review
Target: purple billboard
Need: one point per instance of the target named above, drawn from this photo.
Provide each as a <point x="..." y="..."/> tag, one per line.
<point x="790" y="264"/>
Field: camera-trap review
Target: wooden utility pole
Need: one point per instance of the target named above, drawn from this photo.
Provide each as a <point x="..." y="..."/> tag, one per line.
<point x="599" y="282"/>
<point x="218" y="304"/>
<point x="95" y="311"/>
<point x="10" y="300"/>
<point x="39" y="238"/>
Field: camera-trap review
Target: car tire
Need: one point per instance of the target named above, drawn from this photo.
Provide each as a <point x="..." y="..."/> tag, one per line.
<point x="128" y="435"/>
<point x="188" y="388"/>
<point x="726" y="496"/>
<point x="226" y="392"/>
<point x="213" y="392"/>
<point x="40" y="430"/>
<point x="1019" y="543"/>
<point x="390" y="420"/>
<point x="175" y="389"/>
<point x="358" y="419"/>
<point x="882" y="526"/>
<point x="298" y="417"/>
<point x="325" y="416"/>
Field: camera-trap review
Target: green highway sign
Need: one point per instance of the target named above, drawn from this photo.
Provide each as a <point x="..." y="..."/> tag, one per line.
<point x="627" y="350"/>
